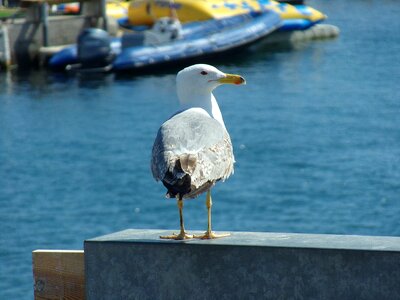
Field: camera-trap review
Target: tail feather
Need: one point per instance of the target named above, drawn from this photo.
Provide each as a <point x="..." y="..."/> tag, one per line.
<point x="177" y="182"/>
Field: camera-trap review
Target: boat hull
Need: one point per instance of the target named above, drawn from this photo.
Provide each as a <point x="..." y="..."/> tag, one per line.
<point x="198" y="39"/>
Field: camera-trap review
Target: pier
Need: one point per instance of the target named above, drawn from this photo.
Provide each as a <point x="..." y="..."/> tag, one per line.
<point x="136" y="264"/>
<point x="29" y="40"/>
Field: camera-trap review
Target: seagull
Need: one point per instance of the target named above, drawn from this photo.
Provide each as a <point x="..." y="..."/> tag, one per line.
<point x="193" y="149"/>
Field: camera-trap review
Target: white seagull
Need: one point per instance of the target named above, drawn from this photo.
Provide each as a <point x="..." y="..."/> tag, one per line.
<point x="193" y="150"/>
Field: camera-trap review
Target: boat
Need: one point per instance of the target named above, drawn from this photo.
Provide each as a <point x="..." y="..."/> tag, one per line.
<point x="114" y="8"/>
<point x="145" y="12"/>
<point x="167" y="41"/>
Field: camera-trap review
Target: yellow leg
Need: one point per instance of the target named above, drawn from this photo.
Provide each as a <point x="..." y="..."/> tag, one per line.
<point x="182" y="234"/>
<point x="209" y="234"/>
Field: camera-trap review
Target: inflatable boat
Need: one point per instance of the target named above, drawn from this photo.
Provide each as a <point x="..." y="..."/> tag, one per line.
<point x="145" y="12"/>
<point x="167" y="41"/>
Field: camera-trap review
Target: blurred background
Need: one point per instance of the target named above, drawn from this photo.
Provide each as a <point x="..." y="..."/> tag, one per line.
<point x="316" y="134"/>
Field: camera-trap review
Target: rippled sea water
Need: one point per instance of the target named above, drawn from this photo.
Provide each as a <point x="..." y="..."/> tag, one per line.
<point x="316" y="133"/>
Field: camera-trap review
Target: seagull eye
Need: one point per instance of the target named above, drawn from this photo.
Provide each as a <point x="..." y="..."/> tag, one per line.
<point x="203" y="73"/>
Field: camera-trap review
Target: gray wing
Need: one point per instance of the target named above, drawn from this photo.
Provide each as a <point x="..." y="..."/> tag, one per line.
<point x="200" y="143"/>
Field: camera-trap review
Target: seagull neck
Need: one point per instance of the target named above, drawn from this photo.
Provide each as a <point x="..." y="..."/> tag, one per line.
<point x="206" y="102"/>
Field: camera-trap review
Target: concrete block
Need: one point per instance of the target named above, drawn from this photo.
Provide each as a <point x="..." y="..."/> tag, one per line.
<point x="136" y="264"/>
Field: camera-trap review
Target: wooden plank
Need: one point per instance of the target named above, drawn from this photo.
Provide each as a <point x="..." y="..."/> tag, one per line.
<point x="58" y="274"/>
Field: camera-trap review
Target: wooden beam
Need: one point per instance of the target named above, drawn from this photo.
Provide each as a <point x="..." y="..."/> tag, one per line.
<point x="58" y="274"/>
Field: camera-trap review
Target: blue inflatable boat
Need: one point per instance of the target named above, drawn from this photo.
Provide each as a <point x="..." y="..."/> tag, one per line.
<point x="168" y="41"/>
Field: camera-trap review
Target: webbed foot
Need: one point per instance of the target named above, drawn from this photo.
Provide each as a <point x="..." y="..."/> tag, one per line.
<point x="208" y="235"/>
<point x="181" y="236"/>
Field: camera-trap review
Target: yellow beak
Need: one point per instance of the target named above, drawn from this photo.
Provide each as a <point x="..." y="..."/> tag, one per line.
<point x="232" y="79"/>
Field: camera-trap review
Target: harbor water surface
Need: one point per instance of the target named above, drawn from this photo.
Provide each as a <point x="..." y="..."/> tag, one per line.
<point x="316" y="134"/>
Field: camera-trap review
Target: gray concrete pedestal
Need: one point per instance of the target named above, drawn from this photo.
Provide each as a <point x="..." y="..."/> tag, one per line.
<point x="136" y="264"/>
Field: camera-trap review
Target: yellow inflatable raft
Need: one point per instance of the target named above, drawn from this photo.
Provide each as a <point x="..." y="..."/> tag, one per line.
<point x="144" y="12"/>
<point x="117" y="9"/>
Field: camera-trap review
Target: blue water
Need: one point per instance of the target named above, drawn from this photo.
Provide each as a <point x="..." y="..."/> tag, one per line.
<point x="316" y="133"/>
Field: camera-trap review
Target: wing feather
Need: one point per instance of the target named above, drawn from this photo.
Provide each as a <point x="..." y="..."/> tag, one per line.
<point x="200" y="144"/>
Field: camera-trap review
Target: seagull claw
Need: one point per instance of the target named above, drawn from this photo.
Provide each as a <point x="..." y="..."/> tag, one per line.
<point x="181" y="236"/>
<point x="208" y="235"/>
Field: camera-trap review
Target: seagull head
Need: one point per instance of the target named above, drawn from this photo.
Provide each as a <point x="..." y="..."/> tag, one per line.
<point x="202" y="79"/>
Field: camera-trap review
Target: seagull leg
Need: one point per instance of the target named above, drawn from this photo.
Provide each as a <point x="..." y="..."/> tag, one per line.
<point x="209" y="234"/>
<point x="182" y="234"/>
